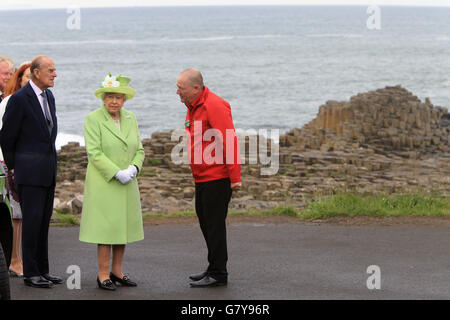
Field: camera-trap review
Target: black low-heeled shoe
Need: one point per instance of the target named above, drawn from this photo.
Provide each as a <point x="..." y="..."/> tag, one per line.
<point x="198" y="276"/>
<point x="106" y="285"/>
<point x="125" y="281"/>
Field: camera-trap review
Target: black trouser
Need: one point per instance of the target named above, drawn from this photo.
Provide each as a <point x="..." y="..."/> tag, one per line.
<point x="211" y="204"/>
<point x="6" y="232"/>
<point x="37" y="206"/>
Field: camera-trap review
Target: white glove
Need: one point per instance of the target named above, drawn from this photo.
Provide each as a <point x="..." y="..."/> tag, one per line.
<point x="132" y="171"/>
<point x="123" y="176"/>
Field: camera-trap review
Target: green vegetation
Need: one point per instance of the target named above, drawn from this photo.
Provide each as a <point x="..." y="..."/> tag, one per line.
<point x="148" y="172"/>
<point x="336" y="174"/>
<point x="353" y="204"/>
<point x="169" y="215"/>
<point x="153" y="162"/>
<point x="341" y="204"/>
<point x="64" y="218"/>
<point x="279" y="211"/>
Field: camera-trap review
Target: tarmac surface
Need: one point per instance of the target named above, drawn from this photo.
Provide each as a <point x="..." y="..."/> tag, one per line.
<point x="293" y="260"/>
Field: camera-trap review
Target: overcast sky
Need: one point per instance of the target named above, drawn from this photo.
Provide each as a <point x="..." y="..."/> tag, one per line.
<point x="31" y="4"/>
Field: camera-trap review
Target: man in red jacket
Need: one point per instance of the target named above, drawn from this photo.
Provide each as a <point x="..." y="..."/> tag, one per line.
<point x="214" y="157"/>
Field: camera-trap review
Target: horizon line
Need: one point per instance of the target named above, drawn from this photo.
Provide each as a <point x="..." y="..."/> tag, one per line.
<point x="223" y="5"/>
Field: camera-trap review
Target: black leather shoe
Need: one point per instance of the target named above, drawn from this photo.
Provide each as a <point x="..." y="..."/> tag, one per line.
<point x="37" y="282"/>
<point x="106" y="285"/>
<point x="198" y="276"/>
<point x="208" y="282"/>
<point x="53" y="279"/>
<point x="125" y="281"/>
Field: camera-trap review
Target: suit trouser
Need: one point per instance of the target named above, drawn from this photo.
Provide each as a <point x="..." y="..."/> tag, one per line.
<point x="211" y="205"/>
<point x="37" y="207"/>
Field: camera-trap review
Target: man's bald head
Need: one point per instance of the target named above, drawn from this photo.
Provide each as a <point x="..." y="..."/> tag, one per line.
<point x="190" y="85"/>
<point x="193" y="76"/>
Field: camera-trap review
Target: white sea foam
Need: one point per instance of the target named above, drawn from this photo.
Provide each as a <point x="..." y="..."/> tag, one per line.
<point x="116" y="42"/>
<point x="262" y="36"/>
<point x="222" y="38"/>
<point x="64" y="138"/>
<point x="199" y="39"/>
<point x="138" y="42"/>
<point x="334" y="35"/>
<point x="74" y="43"/>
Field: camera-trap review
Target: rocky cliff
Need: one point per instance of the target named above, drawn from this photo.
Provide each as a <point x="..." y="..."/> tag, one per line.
<point x="380" y="141"/>
<point x="389" y="121"/>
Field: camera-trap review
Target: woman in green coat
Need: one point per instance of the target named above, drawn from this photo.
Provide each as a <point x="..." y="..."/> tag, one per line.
<point x="112" y="215"/>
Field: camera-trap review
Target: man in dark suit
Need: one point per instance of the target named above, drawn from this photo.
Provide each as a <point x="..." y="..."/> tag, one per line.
<point x="28" y="139"/>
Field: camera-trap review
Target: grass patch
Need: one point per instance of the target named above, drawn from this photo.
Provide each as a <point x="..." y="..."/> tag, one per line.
<point x="169" y="215"/>
<point x="342" y="204"/>
<point x="280" y="211"/>
<point x="64" y="219"/>
<point x="153" y="162"/>
<point x="149" y="172"/>
<point x="353" y="204"/>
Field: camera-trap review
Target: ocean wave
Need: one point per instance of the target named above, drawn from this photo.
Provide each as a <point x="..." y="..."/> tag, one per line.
<point x="334" y="35"/>
<point x="222" y="38"/>
<point x="138" y="42"/>
<point x="114" y="42"/>
<point x="199" y="39"/>
<point x="262" y="36"/>
<point x="72" y="43"/>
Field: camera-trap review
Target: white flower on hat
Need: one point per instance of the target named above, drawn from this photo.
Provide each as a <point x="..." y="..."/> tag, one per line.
<point x="110" y="81"/>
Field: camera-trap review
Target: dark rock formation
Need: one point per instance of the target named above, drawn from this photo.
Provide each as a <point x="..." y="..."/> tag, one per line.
<point x="381" y="141"/>
<point x="389" y="121"/>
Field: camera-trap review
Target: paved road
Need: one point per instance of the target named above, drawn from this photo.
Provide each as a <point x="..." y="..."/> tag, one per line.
<point x="295" y="260"/>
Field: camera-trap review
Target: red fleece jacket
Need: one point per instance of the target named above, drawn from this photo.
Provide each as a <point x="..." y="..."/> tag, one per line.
<point x="214" y="154"/>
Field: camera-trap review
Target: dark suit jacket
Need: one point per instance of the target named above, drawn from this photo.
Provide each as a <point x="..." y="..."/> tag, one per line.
<point x="27" y="145"/>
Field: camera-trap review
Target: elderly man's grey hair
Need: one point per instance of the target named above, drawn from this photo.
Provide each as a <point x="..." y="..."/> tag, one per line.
<point x="36" y="63"/>
<point x="8" y="60"/>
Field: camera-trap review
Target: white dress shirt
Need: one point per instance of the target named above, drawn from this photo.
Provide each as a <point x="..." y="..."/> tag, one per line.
<point x="38" y="92"/>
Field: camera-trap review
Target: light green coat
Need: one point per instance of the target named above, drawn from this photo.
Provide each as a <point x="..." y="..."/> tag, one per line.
<point x="111" y="211"/>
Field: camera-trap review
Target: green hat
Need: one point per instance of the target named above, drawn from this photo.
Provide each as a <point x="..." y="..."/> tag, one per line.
<point x="115" y="84"/>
